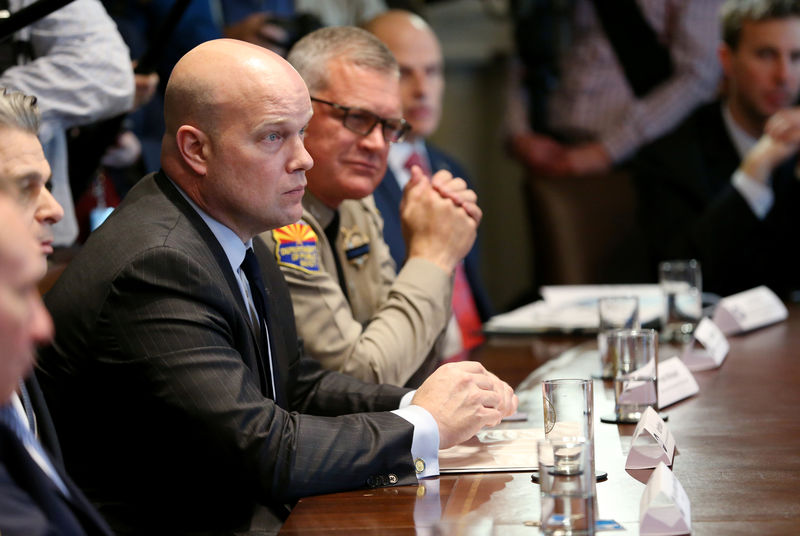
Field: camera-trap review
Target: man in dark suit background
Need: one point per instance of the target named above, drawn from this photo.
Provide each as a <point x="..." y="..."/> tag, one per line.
<point x="722" y="186"/>
<point x="417" y="50"/>
<point x="190" y="406"/>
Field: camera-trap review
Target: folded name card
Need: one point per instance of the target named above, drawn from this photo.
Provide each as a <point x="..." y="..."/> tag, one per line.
<point x="665" y="508"/>
<point x="748" y="310"/>
<point x="675" y="382"/>
<point x="708" y="347"/>
<point x="652" y="443"/>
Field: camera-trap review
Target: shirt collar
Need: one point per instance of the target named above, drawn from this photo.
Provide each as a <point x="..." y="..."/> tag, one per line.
<point x="399" y="153"/>
<point x="319" y="210"/>
<point x="233" y="246"/>
<point x="741" y="139"/>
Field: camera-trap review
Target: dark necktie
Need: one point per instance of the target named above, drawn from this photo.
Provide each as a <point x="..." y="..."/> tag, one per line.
<point x="252" y="271"/>
<point x="331" y="232"/>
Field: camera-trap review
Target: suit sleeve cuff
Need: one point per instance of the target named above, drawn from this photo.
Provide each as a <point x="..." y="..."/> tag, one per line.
<point x="425" y="443"/>
<point x="759" y="196"/>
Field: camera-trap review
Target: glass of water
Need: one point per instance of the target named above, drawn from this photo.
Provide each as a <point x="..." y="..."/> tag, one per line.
<point x="681" y="283"/>
<point x="567" y="486"/>
<point x="614" y="312"/>
<point x="636" y="382"/>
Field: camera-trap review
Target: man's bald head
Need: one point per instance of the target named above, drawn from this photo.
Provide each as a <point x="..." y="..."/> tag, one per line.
<point x="235" y="115"/>
<point x="416" y="48"/>
<point x="214" y="76"/>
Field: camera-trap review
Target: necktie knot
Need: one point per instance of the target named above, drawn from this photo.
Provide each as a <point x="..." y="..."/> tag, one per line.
<point x="415" y="159"/>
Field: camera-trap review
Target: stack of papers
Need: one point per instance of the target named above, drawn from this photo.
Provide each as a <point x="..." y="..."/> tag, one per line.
<point x="573" y="309"/>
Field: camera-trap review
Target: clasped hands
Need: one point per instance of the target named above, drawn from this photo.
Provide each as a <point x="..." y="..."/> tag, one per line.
<point x="440" y="218"/>
<point x="780" y="140"/>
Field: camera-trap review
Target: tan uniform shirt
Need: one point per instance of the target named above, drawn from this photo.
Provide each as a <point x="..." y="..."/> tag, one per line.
<point x="387" y="325"/>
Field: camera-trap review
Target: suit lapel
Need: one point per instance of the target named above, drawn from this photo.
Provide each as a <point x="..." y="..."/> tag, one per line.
<point x="73" y="514"/>
<point x="218" y="258"/>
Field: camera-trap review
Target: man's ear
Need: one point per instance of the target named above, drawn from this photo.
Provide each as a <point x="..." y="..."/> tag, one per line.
<point x="193" y="146"/>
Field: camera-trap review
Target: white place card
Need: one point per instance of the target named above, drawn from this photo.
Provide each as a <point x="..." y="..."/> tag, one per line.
<point x="664" y="509"/>
<point x="748" y="310"/>
<point x="708" y="347"/>
<point x="675" y="382"/>
<point x="652" y="443"/>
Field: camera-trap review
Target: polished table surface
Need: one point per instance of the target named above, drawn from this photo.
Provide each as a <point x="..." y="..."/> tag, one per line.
<point x="738" y="442"/>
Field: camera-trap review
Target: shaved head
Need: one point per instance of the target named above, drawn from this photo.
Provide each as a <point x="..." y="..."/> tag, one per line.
<point x="419" y="56"/>
<point x="235" y="117"/>
<point x="216" y="75"/>
<point x="395" y="21"/>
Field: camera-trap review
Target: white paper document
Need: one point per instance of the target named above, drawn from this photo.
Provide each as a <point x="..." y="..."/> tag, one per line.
<point x="652" y="443"/>
<point x="573" y="308"/>
<point x="675" y="382"/>
<point x="749" y="310"/>
<point x="708" y="348"/>
<point x="512" y="449"/>
<point x="664" y="509"/>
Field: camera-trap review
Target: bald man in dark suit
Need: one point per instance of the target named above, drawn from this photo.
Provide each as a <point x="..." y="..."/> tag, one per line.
<point x="190" y="406"/>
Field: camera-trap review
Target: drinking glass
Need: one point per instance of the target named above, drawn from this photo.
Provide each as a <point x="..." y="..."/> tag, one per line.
<point x="614" y="312"/>
<point x="681" y="283"/>
<point x="636" y="380"/>
<point x="566" y="486"/>
<point x="568" y="408"/>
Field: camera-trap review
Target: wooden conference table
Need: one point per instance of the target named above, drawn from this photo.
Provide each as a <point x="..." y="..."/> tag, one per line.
<point x="738" y="442"/>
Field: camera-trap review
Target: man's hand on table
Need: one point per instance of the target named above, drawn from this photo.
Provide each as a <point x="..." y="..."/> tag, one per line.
<point x="464" y="397"/>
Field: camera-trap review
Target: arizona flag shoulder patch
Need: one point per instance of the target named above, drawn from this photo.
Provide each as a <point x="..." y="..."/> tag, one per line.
<point x="296" y="247"/>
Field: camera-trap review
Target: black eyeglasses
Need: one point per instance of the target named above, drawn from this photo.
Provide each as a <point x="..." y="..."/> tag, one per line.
<point x="363" y="121"/>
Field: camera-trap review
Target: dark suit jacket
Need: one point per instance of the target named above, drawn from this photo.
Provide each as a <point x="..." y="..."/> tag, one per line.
<point x="154" y="372"/>
<point x="32" y="505"/>
<point x="688" y="208"/>
<point x="387" y="198"/>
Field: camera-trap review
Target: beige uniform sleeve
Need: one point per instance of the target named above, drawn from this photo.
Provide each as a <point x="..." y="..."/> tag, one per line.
<point x="405" y="321"/>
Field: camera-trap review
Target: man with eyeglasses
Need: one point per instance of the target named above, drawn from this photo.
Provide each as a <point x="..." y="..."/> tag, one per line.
<point x="354" y="312"/>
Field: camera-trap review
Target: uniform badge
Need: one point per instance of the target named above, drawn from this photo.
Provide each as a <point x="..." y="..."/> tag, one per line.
<point x="356" y="246"/>
<point x="296" y="247"/>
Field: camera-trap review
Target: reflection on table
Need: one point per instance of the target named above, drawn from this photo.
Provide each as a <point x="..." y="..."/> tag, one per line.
<point x="738" y="443"/>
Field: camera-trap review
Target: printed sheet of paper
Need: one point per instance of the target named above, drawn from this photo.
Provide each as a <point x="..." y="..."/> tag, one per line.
<point x="493" y="450"/>
<point x="573" y="308"/>
<point x="665" y="509"/>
